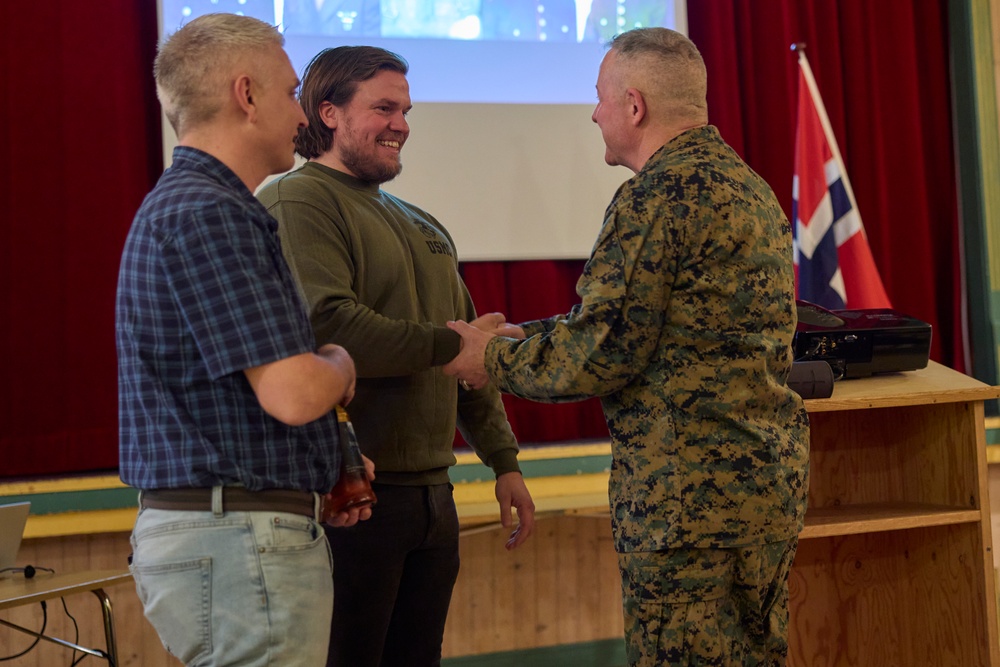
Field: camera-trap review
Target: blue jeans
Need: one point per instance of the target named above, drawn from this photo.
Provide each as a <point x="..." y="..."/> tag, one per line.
<point x="247" y="588"/>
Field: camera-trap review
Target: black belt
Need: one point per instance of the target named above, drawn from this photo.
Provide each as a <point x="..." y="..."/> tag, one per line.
<point x="234" y="499"/>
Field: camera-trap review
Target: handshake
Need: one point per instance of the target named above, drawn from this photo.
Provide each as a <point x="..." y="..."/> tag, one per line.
<point x="469" y="365"/>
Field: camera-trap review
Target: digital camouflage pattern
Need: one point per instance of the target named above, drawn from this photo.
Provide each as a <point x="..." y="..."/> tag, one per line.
<point x="684" y="331"/>
<point x="711" y="608"/>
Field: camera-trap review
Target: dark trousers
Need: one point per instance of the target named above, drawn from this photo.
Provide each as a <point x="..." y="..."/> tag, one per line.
<point x="393" y="577"/>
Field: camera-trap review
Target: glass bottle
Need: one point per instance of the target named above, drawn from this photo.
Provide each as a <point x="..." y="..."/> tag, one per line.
<point x="353" y="489"/>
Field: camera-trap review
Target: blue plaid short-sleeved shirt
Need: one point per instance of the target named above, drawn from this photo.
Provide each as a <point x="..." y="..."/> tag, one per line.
<point x="203" y="294"/>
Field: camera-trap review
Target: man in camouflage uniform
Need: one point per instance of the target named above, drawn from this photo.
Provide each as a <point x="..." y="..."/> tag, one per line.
<point x="684" y="331"/>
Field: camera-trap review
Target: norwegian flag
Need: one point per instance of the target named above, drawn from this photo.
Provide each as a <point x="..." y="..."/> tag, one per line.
<point x="834" y="267"/>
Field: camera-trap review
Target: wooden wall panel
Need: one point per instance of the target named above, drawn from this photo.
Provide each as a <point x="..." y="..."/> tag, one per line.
<point x="561" y="587"/>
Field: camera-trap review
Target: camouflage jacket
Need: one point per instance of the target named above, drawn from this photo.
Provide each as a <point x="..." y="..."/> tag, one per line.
<point x="684" y="331"/>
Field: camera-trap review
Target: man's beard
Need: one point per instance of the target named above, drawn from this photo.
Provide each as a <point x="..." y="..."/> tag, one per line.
<point x="367" y="166"/>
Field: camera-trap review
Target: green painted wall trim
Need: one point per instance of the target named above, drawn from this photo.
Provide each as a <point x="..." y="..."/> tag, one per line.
<point x="77" y="501"/>
<point x="56" y="502"/>
<point x="577" y="465"/>
<point x="976" y="137"/>
<point x="604" y="653"/>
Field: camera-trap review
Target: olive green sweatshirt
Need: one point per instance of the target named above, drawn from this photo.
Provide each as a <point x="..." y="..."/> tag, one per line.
<point x="380" y="278"/>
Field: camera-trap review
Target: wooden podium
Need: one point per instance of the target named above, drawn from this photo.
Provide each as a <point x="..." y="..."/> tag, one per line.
<point x="895" y="562"/>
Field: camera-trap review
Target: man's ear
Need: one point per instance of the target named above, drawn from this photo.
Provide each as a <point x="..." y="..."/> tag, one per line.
<point x="243" y="92"/>
<point x="636" y="106"/>
<point x="328" y="113"/>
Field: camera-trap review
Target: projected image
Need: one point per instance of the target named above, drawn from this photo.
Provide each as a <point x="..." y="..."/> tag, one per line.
<point x="459" y="51"/>
<point x="331" y="17"/>
<point x="502" y="147"/>
<point x="608" y="18"/>
<point x="538" y="20"/>
<point x="176" y="13"/>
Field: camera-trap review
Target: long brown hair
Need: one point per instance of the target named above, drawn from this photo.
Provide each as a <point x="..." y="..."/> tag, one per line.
<point x="333" y="76"/>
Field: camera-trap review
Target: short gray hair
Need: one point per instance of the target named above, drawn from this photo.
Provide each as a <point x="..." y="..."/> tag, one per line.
<point x="667" y="68"/>
<point x="193" y="65"/>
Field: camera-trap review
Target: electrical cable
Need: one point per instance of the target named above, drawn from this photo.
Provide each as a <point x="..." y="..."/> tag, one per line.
<point x="29" y="571"/>
<point x="45" y="622"/>
<point x="76" y="640"/>
<point x="76" y="633"/>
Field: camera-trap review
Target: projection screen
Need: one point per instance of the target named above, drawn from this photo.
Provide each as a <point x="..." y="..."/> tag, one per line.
<point x="501" y="149"/>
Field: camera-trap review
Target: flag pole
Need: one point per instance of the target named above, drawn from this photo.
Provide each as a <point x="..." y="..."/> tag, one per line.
<point x="800" y="49"/>
<point x="869" y="290"/>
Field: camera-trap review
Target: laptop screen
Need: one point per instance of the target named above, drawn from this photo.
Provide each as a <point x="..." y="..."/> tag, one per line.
<point x="12" y="520"/>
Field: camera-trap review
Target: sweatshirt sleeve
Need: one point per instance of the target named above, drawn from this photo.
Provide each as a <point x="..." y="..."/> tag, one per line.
<point x="482" y="419"/>
<point x="317" y="249"/>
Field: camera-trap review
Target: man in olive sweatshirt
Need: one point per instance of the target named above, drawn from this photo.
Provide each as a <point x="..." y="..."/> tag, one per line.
<point x="380" y="278"/>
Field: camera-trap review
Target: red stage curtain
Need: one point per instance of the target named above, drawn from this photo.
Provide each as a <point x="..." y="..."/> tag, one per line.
<point x="533" y="290"/>
<point x="888" y="96"/>
<point x="81" y="148"/>
<point x="883" y="71"/>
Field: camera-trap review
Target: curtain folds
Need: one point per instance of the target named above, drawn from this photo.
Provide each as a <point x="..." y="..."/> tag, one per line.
<point x="80" y="148"/>
<point x="887" y="92"/>
<point x="883" y="71"/>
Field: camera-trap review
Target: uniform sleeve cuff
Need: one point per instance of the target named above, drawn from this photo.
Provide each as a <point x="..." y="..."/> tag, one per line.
<point x="532" y="328"/>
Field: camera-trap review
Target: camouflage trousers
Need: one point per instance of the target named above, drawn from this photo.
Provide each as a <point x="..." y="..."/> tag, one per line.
<point x="707" y="607"/>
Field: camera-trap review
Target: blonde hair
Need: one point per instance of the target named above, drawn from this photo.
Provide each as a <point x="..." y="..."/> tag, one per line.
<point x="667" y="68"/>
<point x="193" y="65"/>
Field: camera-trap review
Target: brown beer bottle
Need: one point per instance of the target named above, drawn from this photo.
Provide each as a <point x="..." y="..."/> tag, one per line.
<point x="353" y="489"/>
